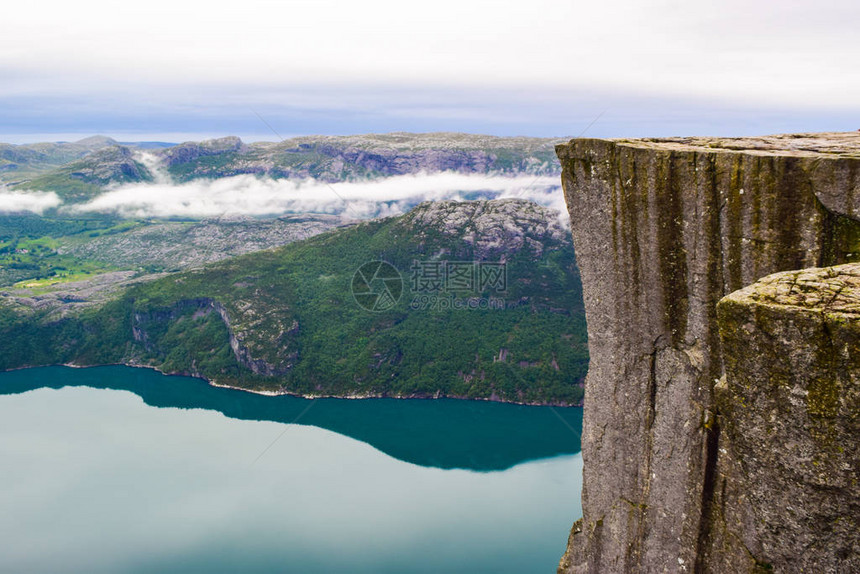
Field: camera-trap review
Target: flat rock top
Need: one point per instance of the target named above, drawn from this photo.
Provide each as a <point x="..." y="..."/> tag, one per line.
<point x="481" y="220"/>
<point x="829" y="289"/>
<point x="829" y="144"/>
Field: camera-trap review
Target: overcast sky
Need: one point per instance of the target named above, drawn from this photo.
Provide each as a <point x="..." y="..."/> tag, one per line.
<point x="173" y="69"/>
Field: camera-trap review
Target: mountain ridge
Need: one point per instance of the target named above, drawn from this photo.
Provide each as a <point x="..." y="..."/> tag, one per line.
<point x="324" y="158"/>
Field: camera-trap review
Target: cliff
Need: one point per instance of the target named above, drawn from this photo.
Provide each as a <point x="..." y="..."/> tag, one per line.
<point x="788" y="495"/>
<point x="664" y="229"/>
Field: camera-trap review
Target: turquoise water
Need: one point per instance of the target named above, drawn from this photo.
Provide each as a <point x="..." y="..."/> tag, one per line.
<point x="114" y="469"/>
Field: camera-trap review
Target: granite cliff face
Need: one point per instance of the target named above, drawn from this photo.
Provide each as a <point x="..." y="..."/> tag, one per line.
<point x="788" y="494"/>
<point x="664" y="229"/>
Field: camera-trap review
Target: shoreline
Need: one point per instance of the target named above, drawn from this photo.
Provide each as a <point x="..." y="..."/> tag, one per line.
<point x="214" y="383"/>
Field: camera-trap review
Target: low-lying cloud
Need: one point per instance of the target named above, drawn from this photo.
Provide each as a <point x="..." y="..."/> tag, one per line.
<point x="248" y="195"/>
<point x="33" y="202"/>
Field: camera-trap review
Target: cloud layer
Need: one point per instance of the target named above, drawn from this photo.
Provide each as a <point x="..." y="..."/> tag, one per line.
<point x="655" y="68"/>
<point x="34" y="202"/>
<point x="247" y="195"/>
<point x="776" y="53"/>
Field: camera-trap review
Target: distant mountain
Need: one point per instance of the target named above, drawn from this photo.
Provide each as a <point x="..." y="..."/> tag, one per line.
<point x="325" y="158"/>
<point x="148" y="145"/>
<point x="475" y="299"/>
<point x="95" y="142"/>
<point x="345" y="158"/>
<point x="87" y="177"/>
<point x="21" y="162"/>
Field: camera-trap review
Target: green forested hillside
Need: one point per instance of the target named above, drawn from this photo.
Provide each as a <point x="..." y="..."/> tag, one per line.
<point x="287" y="319"/>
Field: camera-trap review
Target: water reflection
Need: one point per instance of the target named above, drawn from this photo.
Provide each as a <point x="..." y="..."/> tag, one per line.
<point x="97" y="481"/>
<point x="474" y="435"/>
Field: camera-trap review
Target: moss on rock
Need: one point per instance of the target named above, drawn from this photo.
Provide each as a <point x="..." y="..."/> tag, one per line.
<point x="792" y="347"/>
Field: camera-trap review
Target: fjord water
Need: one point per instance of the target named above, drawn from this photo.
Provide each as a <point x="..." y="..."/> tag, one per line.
<point x="114" y="469"/>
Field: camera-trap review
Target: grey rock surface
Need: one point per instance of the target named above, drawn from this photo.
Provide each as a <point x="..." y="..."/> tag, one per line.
<point x="663" y="229"/>
<point x="789" y="405"/>
<point x="190" y="151"/>
<point x="182" y="245"/>
<point x="493" y="229"/>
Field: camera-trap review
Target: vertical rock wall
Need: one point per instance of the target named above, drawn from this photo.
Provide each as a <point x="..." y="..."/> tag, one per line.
<point x="663" y="229"/>
<point x="788" y="491"/>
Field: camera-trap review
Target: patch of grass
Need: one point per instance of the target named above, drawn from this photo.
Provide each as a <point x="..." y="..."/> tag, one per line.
<point x="36" y="263"/>
<point x="41" y="286"/>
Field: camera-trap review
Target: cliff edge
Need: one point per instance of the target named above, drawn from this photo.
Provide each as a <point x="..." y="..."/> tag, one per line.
<point x="787" y="493"/>
<point x="663" y="230"/>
